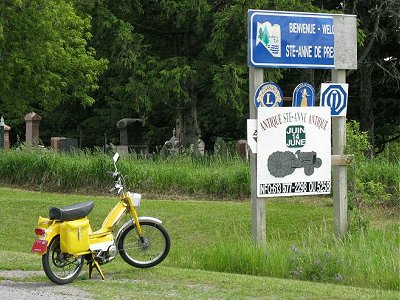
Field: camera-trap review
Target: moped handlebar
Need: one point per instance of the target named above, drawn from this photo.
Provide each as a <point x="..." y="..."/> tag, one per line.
<point x="115" y="175"/>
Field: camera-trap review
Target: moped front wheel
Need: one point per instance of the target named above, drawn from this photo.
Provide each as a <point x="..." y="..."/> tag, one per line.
<point x="61" y="268"/>
<point x="149" y="251"/>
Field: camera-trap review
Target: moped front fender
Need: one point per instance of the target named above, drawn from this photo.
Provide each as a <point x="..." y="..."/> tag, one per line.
<point x="130" y="222"/>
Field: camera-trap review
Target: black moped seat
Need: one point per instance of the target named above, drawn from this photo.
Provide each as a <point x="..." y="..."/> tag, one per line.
<point x="71" y="212"/>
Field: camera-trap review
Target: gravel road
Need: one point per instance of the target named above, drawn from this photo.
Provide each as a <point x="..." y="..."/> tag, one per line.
<point x="19" y="290"/>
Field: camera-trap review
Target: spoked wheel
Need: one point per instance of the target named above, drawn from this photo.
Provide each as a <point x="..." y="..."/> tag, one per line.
<point x="61" y="268"/>
<point x="147" y="253"/>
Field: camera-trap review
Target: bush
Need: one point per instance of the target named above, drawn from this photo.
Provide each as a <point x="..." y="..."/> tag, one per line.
<point x="371" y="181"/>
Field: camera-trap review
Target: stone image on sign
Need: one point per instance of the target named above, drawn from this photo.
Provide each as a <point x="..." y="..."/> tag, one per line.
<point x="268" y="94"/>
<point x="294" y="151"/>
<point x="303" y="95"/>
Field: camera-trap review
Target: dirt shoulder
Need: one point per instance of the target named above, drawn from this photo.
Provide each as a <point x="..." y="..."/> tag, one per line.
<point x="13" y="289"/>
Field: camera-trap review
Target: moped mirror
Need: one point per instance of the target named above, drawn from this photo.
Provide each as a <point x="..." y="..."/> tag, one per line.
<point x="116" y="157"/>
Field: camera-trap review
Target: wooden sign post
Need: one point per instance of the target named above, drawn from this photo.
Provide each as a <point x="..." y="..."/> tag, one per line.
<point x="267" y="29"/>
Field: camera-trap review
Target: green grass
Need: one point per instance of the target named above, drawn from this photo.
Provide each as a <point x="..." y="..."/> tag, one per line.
<point x="82" y="171"/>
<point x="371" y="182"/>
<point x="173" y="283"/>
<point x="216" y="236"/>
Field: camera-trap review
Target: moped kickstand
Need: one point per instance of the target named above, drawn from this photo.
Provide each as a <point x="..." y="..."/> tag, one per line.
<point x="94" y="264"/>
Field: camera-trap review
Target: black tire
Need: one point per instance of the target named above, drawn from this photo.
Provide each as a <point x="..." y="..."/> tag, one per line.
<point x="137" y="254"/>
<point x="61" y="268"/>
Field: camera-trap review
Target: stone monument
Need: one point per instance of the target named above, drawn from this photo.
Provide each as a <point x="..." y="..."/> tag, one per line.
<point x="32" y="129"/>
<point x="131" y="136"/>
<point x="241" y="148"/>
<point x="7" y="137"/>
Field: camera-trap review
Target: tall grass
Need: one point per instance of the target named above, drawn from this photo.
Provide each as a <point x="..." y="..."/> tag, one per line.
<point x="367" y="260"/>
<point x="377" y="181"/>
<point x="82" y="171"/>
<point x="371" y="182"/>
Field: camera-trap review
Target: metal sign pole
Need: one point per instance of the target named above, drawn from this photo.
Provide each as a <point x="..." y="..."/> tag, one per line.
<point x="256" y="78"/>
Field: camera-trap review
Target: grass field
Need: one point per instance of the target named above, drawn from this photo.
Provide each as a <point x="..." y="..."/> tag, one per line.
<point x="216" y="236"/>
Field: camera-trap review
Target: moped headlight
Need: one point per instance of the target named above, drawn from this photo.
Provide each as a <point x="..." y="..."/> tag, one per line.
<point x="135" y="199"/>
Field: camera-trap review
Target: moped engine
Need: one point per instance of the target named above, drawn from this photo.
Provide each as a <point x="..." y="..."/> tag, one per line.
<point x="104" y="257"/>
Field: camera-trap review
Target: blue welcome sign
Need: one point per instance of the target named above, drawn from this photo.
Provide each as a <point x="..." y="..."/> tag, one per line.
<point x="290" y="40"/>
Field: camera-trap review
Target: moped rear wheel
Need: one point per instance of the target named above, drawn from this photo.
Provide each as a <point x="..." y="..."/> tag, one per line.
<point x="148" y="253"/>
<point x="61" y="268"/>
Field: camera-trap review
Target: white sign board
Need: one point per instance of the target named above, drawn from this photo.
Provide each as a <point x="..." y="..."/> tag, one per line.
<point x="294" y="151"/>
<point x="252" y="134"/>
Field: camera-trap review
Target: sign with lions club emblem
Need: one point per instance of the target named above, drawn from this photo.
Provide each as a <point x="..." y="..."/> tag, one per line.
<point x="294" y="151"/>
<point x="268" y="94"/>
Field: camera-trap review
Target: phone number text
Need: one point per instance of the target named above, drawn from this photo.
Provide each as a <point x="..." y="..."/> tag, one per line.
<point x="295" y="187"/>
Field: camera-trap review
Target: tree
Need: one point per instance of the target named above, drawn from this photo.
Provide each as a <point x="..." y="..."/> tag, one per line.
<point x="44" y="58"/>
<point x="196" y="61"/>
<point x="375" y="86"/>
<point x="379" y="67"/>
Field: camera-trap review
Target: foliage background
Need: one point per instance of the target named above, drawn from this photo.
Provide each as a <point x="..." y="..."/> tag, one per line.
<point x="84" y="65"/>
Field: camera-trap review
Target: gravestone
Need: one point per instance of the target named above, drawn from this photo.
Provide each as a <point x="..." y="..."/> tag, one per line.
<point x="220" y="148"/>
<point x="171" y="146"/>
<point x="241" y="148"/>
<point x="7" y="137"/>
<point x="68" y="145"/>
<point x="55" y="143"/>
<point x="131" y="135"/>
<point x="62" y="144"/>
<point x="4" y="135"/>
<point x="199" y="147"/>
<point x="32" y="121"/>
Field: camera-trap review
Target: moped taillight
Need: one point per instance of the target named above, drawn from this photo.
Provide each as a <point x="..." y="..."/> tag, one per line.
<point x="40" y="231"/>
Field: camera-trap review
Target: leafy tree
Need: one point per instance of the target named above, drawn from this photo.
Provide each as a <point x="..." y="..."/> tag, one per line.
<point x="375" y="86"/>
<point x="379" y="67"/>
<point x="192" y="66"/>
<point x="44" y="58"/>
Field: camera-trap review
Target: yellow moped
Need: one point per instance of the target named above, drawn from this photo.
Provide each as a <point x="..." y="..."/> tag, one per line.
<point x="65" y="239"/>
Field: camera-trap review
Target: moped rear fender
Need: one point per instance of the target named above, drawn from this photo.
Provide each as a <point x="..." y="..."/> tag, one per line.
<point x="51" y="232"/>
<point x="130" y="222"/>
